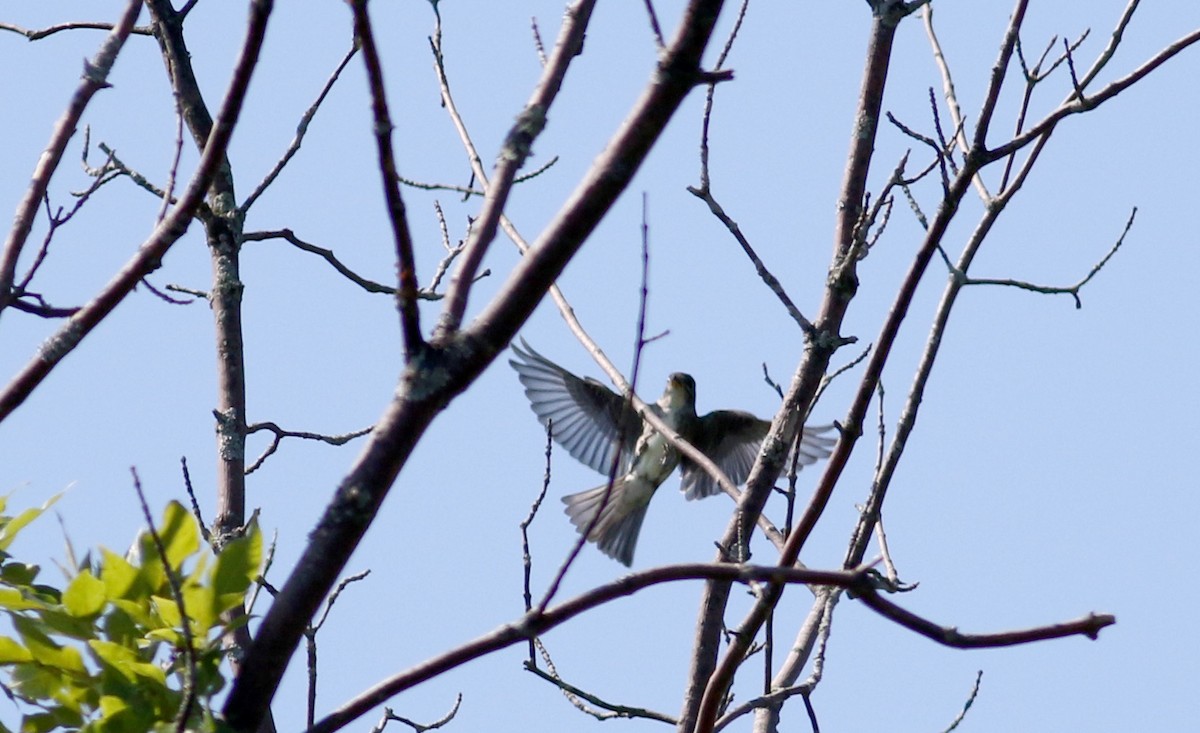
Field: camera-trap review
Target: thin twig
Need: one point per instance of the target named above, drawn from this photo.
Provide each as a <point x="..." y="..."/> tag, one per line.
<point x="184" y="714"/>
<point x="655" y="28"/>
<point x="168" y="197"/>
<point x="389" y="715"/>
<point x="310" y="638"/>
<point x="37" y="35"/>
<point x="467" y="191"/>
<point x="1072" y="290"/>
<point x="150" y="254"/>
<point x="526" y="555"/>
<point x="279" y="434"/>
<point x="95" y="78"/>
<point x="962" y="714"/>
<point x="301" y="130"/>
<point x="191" y="492"/>
<point x="767" y="277"/>
<point x="640" y="342"/>
<point x="518" y="145"/>
<point x="951" y="96"/>
<point x="613" y="710"/>
<point x="290" y="237"/>
<point x="537" y="41"/>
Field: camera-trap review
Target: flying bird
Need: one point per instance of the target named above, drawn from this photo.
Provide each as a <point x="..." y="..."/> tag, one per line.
<point x="594" y="425"/>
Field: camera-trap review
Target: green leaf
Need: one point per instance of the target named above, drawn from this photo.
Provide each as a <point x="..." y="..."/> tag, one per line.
<point x="9" y="532"/>
<point x="120" y="578"/>
<point x="238" y="563"/>
<point x="111" y="705"/>
<point x="179" y="534"/>
<point x="118" y="626"/>
<point x="12" y="651"/>
<point x="85" y="596"/>
<point x="201" y="605"/>
<point x="168" y="611"/>
<point x="33" y="681"/>
<point x="127" y="662"/>
<point x="12" y="599"/>
<point x="140" y="613"/>
<point x="58" y="621"/>
<point x="39" y="723"/>
<point x="19" y="573"/>
<point x="45" y="650"/>
<point x="170" y="635"/>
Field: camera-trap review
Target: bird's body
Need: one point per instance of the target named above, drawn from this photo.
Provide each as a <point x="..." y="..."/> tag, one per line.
<point x="618" y="511"/>
<point x="596" y="427"/>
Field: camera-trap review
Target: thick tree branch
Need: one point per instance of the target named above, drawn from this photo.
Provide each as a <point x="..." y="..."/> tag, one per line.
<point x="707" y="682"/>
<point x="432" y="379"/>
<point x="536" y="623"/>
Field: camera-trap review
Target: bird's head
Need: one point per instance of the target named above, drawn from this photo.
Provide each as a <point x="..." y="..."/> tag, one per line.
<point x="680" y="391"/>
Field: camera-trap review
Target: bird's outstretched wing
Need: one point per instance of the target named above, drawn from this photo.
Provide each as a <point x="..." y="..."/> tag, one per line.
<point x="732" y="439"/>
<point x="587" y="418"/>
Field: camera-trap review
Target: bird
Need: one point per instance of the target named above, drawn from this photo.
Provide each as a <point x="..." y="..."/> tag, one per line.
<point x="597" y="428"/>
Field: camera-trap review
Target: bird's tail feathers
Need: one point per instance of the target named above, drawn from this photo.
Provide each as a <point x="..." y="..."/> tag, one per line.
<point x="620" y="512"/>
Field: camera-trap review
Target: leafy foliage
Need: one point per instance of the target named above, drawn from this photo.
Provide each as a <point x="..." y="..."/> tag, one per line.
<point x="106" y="653"/>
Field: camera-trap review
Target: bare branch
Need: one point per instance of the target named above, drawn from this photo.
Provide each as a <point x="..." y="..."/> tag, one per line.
<point x="1075" y="106"/>
<point x="454" y="363"/>
<point x="536" y="623"/>
<point x="526" y="555"/>
<point x="962" y="714"/>
<point x="577" y="697"/>
<point x="95" y="78"/>
<point x="537" y="41"/>
<point x="767" y="277"/>
<point x="310" y="638"/>
<point x="654" y="26"/>
<point x="279" y="434"/>
<point x="191" y="492"/>
<point x="168" y="231"/>
<point x="1072" y="290"/>
<point x="951" y="96"/>
<point x="517" y="148"/>
<point x="37" y="35"/>
<point x="708" y="682"/>
<point x="327" y="254"/>
<point x="410" y="316"/>
<point x="388" y="715"/>
<point x="468" y="191"/>
<point x="301" y="131"/>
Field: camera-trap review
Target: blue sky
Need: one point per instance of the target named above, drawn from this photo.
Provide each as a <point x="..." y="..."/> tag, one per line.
<point x="1050" y="474"/>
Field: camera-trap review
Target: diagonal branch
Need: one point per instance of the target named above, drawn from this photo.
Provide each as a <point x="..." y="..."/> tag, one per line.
<point x="95" y="78"/>
<point x="517" y="148"/>
<point x="410" y="316"/>
<point x="301" y="131"/>
<point x="429" y="383"/>
<point x="1075" y="106"/>
<point x="707" y="682"/>
<point x="169" y="230"/>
